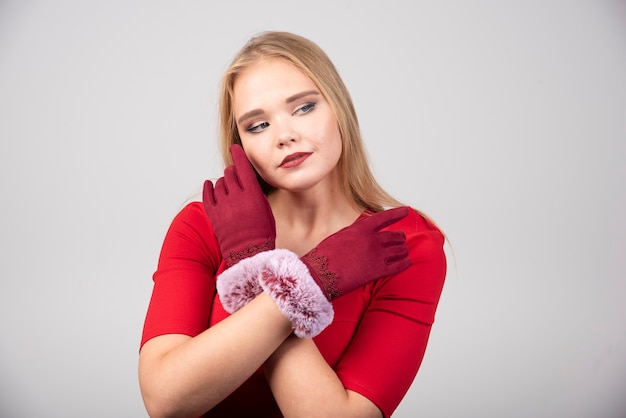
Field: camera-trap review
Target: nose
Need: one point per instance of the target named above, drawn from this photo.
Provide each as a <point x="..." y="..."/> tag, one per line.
<point x="285" y="135"/>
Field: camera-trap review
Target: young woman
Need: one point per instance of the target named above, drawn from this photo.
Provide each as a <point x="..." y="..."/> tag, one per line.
<point x="291" y="290"/>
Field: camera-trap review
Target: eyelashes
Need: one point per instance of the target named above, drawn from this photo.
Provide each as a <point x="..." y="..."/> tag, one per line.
<point x="302" y="110"/>
<point x="258" y="127"/>
<point x="306" y="108"/>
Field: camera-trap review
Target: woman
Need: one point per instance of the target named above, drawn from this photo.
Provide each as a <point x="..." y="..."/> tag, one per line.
<point x="290" y="290"/>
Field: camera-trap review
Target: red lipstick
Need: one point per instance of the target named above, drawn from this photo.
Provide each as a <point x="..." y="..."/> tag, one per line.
<point x="295" y="159"/>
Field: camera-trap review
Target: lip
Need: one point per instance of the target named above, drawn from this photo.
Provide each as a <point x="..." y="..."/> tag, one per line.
<point x="295" y="159"/>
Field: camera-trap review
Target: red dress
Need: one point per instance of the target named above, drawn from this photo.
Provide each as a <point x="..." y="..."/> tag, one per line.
<point x="375" y="343"/>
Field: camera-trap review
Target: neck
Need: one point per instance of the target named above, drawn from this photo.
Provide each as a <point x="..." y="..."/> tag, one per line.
<point x="305" y="218"/>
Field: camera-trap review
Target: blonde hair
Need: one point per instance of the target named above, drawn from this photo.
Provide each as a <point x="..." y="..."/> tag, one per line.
<point x="357" y="179"/>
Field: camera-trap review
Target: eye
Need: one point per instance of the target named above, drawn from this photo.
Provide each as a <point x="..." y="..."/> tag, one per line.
<point x="305" y="108"/>
<point x="258" y="127"/>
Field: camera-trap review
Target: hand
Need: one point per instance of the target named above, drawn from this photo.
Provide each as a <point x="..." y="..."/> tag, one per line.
<point x="239" y="212"/>
<point x="302" y="287"/>
<point x="359" y="254"/>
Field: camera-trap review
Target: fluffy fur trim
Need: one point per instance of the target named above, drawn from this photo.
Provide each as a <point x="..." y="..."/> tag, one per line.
<point x="239" y="284"/>
<point x="288" y="281"/>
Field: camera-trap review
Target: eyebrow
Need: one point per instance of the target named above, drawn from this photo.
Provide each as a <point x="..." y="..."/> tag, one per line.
<point x="289" y="99"/>
<point x="301" y="95"/>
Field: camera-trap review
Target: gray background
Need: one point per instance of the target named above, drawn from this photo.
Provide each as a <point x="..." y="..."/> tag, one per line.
<point x="505" y="121"/>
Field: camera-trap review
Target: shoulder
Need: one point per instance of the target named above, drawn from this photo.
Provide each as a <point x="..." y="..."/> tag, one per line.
<point x="192" y="218"/>
<point x="422" y="282"/>
<point x="417" y="220"/>
<point x="190" y="229"/>
<point x="422" y="233"/>
<point x="192" y="212"/>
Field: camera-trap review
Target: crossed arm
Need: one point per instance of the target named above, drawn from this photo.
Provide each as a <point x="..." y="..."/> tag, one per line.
<point x="184" y="376"/>
<point x="181" y="376"/>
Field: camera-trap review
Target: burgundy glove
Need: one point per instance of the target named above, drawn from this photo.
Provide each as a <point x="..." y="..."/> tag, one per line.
<point x="303" y="287"/>
<point x="359" y="254"/>
<point x="239" y="212"/>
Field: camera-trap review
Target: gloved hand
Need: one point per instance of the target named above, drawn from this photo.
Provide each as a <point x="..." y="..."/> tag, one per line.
<point x="239" y="212"/>
<point x="359" y="254"/>
<point x="303" y="287"/>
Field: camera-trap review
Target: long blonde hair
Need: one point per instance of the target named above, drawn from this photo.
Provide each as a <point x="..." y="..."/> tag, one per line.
<point x="357" y="179"/>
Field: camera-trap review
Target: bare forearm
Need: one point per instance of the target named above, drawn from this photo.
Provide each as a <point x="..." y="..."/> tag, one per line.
<point x="183" y="376"/>
<point x="304" y="385"/>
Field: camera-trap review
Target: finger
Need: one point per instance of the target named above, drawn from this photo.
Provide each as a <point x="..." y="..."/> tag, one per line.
<point x="396" y="253"/>
<point x="245" y="172"/>
<point x="221" y="189"/>
<point x="237" y="152"/>
<point x="231" y="180"/>
<point x="389" y="238"/>
<point x="383" y="219"/>
<point x="396" y="266"/>
<point x="208" y="193"/>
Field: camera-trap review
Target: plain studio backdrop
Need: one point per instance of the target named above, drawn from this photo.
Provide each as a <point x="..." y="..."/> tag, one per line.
<point x="503" y="120"/>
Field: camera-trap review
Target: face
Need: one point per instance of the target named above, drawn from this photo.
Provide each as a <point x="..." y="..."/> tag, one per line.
<point x="287" y="128"/>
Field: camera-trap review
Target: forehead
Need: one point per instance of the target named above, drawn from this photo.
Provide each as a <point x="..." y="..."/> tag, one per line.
<point x="266" y="80"/>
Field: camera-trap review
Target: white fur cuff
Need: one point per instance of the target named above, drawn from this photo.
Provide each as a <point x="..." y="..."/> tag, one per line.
<point x="288" y="281"/>
<point x="240" y="283"/>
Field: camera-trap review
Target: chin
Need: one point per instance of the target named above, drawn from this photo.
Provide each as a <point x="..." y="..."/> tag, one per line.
<point x="301" y="183"/>
<point x="296" y="187"/>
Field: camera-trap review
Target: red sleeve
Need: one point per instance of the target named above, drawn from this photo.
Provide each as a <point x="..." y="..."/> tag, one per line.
<point x="184" y="283"/>
<point x="387" y="350"/>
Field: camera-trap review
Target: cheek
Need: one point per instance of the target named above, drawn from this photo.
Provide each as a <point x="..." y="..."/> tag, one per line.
<point x="334" y="141"/>
<point x="255" y="156"/>
<point x="327" y="132"/>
